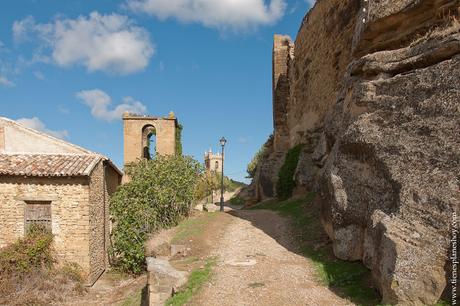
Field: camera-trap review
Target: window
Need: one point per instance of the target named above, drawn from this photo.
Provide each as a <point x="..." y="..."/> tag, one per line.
<point x="38" y="212"/>
<point x="217" y="165"/>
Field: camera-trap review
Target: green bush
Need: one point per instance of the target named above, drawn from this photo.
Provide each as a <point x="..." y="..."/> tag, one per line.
<point x="32" y="251"/>
<point x="286" y="182"/>
<point x="159" y="195"/>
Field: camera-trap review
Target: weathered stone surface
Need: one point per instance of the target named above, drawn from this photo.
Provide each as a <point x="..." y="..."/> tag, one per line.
<point x="322" y="54"/>
<point x="283" y="55"/>
<point x="379" y="119"/>
<point x="267" y="172"/>
<point x="163" y="280"/>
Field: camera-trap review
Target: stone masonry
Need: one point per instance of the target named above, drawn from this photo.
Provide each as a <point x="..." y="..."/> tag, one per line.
<point x="73" y="184"/>
<point x="134" y="127"/>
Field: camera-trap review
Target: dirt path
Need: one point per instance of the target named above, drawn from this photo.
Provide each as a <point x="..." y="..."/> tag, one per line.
<point x="257" y="266"/>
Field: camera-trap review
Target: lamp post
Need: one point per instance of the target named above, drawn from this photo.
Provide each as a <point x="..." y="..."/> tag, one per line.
<point x="223" y="141"/>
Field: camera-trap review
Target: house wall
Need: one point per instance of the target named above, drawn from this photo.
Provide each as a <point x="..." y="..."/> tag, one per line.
<point x="97" y="223"/>
<point x="104" y="181"/>
<point x="17" y="138"/>
<point x="112" y="181"/>
<point x="69" y="213"/>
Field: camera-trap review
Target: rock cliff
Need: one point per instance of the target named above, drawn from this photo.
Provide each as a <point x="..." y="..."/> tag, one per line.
<point x="371" y="90"/>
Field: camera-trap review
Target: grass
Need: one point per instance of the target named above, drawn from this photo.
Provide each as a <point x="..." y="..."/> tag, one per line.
<point x="442" y="303"/>
<point x="196" y="280"/>
<point x="349" y="279"/>
<point x="133" y="299"/>
<point x="192" y="227"/>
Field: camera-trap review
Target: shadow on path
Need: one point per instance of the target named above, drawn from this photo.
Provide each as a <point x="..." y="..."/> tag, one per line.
<point x="305" y="236"/>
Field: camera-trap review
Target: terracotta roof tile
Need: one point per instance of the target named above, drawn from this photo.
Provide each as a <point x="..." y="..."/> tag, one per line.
<point x="48" y="164"/>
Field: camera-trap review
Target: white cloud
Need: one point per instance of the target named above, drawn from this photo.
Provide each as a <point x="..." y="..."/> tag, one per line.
<point x="222" y="14"/>
<point x="243" y="140"/>
<point x="109" y="43"/>
<point x="39" y="75"/>
<point x="5" y="82"/>
<point x="99" y="102"/>
<point x="36" y="124"/>
<point x="63" y="110"/>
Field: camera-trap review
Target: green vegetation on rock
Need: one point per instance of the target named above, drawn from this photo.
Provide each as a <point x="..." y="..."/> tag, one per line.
<point x="159" y="195"/>
<point x="286" y="182"/>
<point x="179" y="130"/>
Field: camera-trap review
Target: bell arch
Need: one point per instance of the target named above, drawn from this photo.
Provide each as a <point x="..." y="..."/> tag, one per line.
<point x="149" y="134"/>
<point x="138" y="130"/>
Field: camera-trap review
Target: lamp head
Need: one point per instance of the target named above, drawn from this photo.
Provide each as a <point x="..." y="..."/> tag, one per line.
<point x="223" y="141"/>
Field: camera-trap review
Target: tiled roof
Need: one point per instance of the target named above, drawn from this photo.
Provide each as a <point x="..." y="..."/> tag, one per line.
<point x="48" y="164"/>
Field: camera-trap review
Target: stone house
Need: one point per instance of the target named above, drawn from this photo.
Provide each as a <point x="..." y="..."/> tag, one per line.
<point x="60" y="185"/>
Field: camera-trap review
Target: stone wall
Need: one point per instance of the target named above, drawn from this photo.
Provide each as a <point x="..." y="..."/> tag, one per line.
<point x="112" y="181"/>
<point x="104" y="181"/>
<point x="322" y="54"/>
<point x="283" y="54"/>
<point x="69" y="212"/>
<point x="97" y="223"/>
<point x="373" y="97"/>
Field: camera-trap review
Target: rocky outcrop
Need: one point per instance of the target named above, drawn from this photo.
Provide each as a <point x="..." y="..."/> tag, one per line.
<point x="374" y="97"/>
<point x="391" y="181"/>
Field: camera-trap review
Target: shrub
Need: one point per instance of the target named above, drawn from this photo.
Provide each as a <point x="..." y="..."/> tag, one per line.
<point x="286" y="182"/>
<point x="159" y="195"/>
<point x="28" y="275"/>
<point x="33" y="251"/>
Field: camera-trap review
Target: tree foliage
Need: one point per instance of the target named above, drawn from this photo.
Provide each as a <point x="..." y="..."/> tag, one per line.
<point x="211" y="181"/>
<point x="159" y="195"/>
<point x="286" y="182"/>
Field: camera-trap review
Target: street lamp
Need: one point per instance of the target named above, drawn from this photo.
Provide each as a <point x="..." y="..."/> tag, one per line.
<point x="223" y="141"/>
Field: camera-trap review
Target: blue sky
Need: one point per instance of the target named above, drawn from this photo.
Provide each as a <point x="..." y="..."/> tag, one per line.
<point x="70" y="68"/>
